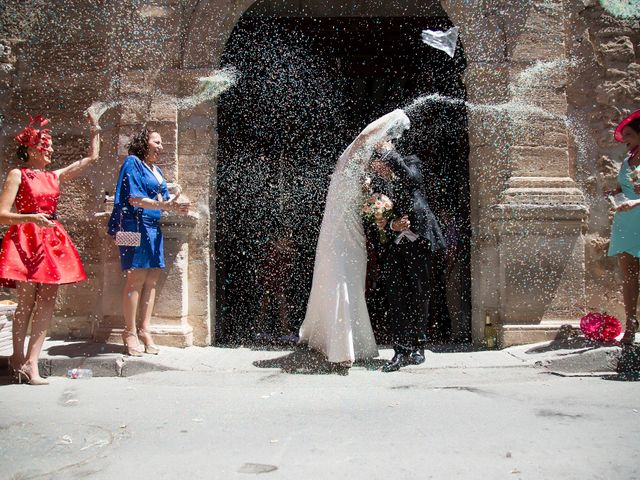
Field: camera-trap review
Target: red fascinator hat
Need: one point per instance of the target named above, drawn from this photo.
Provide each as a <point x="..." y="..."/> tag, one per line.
<point x="30" y="136"/>
<point x="617" y="134"/>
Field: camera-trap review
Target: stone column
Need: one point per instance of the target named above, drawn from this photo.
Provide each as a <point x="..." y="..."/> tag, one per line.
<point x="527" y="213"/>
<point x="539" y="222"/>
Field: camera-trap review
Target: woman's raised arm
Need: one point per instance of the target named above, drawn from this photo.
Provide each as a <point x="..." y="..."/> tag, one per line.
<point x="76" y="168"/>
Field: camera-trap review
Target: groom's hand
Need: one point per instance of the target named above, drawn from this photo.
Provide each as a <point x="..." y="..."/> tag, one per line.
<point x="401" y="224"/>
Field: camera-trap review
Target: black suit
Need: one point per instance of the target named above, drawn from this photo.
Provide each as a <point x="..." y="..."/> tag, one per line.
<point x="407" y="265"/>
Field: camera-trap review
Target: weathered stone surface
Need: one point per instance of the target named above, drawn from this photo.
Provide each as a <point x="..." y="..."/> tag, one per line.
<point x="487" y="83"/>
<point x="484" y="40"/>
<point x="606" y="90"/>
<point x="622" y="90"/>
<point x="531" y="161"/>
<point x="544" y="131"/>
<point x="608" y="172"/>
<point x="618" y="51"/>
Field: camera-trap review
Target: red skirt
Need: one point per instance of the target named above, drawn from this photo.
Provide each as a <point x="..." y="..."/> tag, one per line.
<point x="39" y="255"/>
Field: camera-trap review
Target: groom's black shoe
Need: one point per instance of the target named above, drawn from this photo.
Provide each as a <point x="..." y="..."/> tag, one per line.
<point x="416" y="357"/>
<point x="398" y="360"/>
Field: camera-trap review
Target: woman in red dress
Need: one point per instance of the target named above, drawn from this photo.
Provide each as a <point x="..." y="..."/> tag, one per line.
<point x="37" y="254"/>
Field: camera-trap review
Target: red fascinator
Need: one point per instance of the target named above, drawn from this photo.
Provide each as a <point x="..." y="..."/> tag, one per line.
<point x="32" y="137"/>
<point x="617" y="134"/>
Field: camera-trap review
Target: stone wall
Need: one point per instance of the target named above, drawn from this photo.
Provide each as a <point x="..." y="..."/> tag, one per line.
<point x="540" y="225"/>
<point x="63" y="57"/>
<point x="605" y="87"/>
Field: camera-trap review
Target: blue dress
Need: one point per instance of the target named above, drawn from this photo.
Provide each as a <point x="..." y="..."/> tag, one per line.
<point x="625" y="232"/>
<point x="138" y="181"/>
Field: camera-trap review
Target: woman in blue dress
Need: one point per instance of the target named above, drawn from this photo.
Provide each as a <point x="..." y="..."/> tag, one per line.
<point x="625" y="232"/>
<point x="141" y="195"/>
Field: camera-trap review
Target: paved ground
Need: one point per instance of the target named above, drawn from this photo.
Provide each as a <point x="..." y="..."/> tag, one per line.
<point x="550" y="411"/>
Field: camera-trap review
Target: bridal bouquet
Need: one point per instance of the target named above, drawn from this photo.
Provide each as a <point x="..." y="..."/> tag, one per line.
<point x="378" y="207"/>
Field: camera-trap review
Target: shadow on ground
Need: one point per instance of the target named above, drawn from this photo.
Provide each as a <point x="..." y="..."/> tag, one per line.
<point x="303" y="361"/>
<point x="577" y="345"/>
<point x="611" y="377"/>
<point x="84" y="349"/>
<point x="628" y="366"/>
<point x="623" y="363"/>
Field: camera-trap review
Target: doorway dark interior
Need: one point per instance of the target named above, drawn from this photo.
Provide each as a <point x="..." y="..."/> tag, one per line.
<point x="307" y="87"/>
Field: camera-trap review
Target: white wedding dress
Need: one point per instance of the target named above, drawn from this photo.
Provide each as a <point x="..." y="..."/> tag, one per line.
<point x="337" y="321"/>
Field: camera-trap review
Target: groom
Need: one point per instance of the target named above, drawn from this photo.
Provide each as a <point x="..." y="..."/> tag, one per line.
<point x="414" y="236"/>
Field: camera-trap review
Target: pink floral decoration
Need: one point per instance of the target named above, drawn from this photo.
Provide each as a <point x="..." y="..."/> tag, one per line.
<point x="600" y="327"/>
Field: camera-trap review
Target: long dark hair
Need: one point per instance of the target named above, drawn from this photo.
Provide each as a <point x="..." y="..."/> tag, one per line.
<point x="139" y="144"/>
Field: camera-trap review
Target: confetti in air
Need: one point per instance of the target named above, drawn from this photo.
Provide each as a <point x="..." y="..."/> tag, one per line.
<point x="293" y="90"/>
<point x="210" y="88"/>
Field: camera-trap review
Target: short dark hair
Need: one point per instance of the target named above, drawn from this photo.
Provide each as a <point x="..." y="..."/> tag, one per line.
<point x="22" y="153"/>
<point x="139" y="144"/>
<point x="635" y="125"/>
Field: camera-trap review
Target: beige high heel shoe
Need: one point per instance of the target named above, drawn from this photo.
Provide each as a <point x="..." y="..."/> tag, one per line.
<point x="132" y="351"/>
<point x="22" y="376"/>
<point x="149" y="346"/>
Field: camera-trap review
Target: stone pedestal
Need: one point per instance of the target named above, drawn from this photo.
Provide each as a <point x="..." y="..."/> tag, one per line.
<point x="169" y="325"/>
<point x="541" y="261"/>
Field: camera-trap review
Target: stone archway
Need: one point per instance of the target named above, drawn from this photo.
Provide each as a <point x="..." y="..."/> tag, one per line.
<point x="375" y="64"/>
<point x="527" y="214"/>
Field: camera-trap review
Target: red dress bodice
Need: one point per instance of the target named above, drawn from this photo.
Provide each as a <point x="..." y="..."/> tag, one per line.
<point x="39" y="192"/>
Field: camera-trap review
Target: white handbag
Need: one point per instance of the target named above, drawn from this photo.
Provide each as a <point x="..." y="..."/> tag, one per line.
<point x="125" y="238"/>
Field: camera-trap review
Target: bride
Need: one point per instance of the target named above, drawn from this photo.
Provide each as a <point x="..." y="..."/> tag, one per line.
<point x="337" y="321"/>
